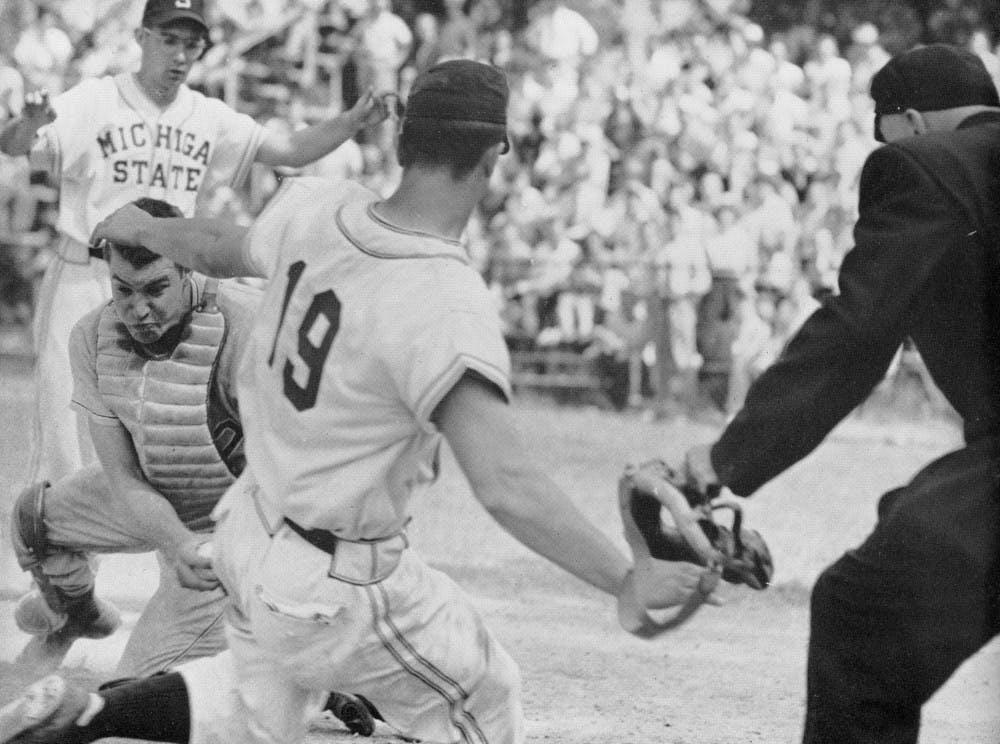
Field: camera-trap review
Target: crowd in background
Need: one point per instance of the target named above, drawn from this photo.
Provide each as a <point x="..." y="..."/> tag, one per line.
<point x="682" y="185"/>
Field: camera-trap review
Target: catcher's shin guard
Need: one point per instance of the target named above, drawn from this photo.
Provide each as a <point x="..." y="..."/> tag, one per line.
<point x="50" y="609"/>
<point x="31" y="546"/>
<point x="28" y="524"/>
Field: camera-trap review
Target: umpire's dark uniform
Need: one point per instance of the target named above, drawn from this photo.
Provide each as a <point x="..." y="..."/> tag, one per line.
<point x="892" y="619"/>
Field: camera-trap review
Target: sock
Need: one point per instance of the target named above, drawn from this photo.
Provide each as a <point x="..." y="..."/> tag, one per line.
<point x="371" y="708"/>
<point x="153" y="708"/>
<point x="330" y="702"/>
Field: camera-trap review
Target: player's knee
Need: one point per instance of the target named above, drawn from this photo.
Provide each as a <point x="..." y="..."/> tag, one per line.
<point x="28" y="524"/>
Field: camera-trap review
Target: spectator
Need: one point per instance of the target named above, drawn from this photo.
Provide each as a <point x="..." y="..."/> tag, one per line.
<point x="383" y="46"/>
<point x="866" y="57"/>
<point x="686" y="279"/>
<point x="755" y="350"/>
<point x="457" y="38"/>
<point x="561" y="34"/>
<point x="980" y="45"/>
<point x="43" y="52"/>
<point x="829" y="80"/>
<point x="427" y="41"/>
<point x="17" y="205"/>
<point x="954" y="23"/>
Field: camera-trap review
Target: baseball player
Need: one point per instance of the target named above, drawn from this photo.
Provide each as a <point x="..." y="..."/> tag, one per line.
<point x="110" y="140"/>
<point x="154" y="374"/>
<point x="375" y="339"/>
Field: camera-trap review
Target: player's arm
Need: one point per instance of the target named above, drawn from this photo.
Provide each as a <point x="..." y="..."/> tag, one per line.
<point x="303" y="146"/>
<point x="18" y="134"/>
<point x="210" y="246"/>
<point x="516" y="492"/>
<point x="151" y="516"/>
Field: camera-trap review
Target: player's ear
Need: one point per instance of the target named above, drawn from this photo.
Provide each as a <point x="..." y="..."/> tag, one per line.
<point x="916" y="121"/>
<point x="489" y="160"/>
<point x="139" y="34"/>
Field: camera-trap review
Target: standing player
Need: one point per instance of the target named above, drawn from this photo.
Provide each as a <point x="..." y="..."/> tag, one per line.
<point x="375" y="337"/>
<point x="110" y="140"/>
<point x="155" y="375"/>
<point x="892" y="619"/>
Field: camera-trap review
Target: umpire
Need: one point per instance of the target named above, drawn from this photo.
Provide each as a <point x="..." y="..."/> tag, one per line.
<point x="892" y="619"/>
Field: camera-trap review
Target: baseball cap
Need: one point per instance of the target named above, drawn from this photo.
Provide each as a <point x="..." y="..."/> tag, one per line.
<point x="162" y="12"/>
<point x="460" y="90"/>
<point x="933" y="78"/>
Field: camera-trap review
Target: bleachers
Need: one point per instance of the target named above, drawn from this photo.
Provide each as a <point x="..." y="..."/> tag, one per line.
<point x="554" y="369"/>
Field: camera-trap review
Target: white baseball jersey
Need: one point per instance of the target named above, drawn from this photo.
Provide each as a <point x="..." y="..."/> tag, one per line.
<point x="362" y="331"/>
<point x="110" y="144"/>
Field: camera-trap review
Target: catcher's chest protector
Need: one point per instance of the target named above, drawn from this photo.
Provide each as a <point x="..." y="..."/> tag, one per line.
<point x="164" y="405"/>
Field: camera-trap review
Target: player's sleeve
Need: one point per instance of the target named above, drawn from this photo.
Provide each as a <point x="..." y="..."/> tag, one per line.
<point x="454" y="339"/>
<point x="61" y="147"/>
<point x="290" y="215"/>
<point x="83" y="363"/>
<point x="239" y="138"/>
<point x="262" y="243"/>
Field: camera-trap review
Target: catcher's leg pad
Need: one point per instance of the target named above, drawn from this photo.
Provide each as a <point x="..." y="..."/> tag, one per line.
<point x="28" y="524"/>
<point x="31" y="545"/>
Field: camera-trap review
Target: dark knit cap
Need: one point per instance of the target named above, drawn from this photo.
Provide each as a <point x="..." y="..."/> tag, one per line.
<point x="933" y="78"/>
<point x="161" y="12"/>
<point x="460" y="90"/>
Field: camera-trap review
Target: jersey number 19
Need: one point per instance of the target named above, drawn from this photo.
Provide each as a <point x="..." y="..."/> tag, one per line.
<point x="315" y="337"/>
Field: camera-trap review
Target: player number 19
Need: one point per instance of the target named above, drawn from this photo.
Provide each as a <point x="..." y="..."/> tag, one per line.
<point x="324" y="310"/>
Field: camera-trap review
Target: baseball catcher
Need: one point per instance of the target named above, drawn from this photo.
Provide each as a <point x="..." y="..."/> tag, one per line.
<point x="734" y="554"/>
<point x="154" y="373"/>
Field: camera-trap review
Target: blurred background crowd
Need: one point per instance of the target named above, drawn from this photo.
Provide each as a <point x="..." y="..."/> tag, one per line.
<point x="683" y="178"/>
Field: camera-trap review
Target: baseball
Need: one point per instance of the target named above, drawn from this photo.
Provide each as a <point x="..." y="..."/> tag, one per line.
<point x="205" y="550"/>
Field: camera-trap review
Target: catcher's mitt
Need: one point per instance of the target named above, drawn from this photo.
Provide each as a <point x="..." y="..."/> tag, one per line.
<point x="741" y="555"/>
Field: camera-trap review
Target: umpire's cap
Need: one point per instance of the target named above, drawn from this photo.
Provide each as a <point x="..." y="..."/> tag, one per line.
<point x="161" y="12"/>
<point x="460" y="91"/>
<point x="932" y="78"/>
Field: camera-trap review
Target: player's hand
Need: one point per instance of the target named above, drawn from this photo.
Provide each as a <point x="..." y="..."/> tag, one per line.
<point x="37" y="109"/>
<point x="192" y="561"/>
<point x="369" y="110"/>
<point x="658" y="585"/>
<point x="698" y="468"/>
<point x="122" y="226"/>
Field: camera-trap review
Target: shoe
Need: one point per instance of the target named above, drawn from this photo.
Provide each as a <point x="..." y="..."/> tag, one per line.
<point x="352" y="712"/>
<point x="35" y="616"/>
<point x="44" y="713"/>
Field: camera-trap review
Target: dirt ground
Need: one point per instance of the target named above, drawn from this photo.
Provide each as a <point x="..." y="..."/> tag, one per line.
<point x="733" y="674"/>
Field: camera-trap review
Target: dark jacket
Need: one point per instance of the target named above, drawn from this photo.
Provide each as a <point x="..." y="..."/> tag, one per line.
<point x="926" y="264"/>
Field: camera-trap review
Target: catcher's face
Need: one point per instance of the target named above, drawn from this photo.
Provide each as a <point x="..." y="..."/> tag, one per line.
<point x="149" y="300"/>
